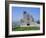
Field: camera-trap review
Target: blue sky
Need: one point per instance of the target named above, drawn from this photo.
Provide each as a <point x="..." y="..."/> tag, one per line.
<point x="17" y="12"/>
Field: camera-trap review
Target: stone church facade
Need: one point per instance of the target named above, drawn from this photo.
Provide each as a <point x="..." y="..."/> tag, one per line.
<point x="27" y="19"/>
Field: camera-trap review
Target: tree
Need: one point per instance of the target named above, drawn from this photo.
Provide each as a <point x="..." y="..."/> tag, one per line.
<point x="38" y="21"/>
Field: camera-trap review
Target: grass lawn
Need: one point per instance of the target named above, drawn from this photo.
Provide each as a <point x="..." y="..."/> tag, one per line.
<point x="25" y="28"/>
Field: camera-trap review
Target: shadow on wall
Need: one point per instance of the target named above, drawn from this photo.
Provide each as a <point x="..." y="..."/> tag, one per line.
<point x="13" y="37"/>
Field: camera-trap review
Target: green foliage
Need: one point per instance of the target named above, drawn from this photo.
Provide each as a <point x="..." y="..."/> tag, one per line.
<point x="25" y="28"/>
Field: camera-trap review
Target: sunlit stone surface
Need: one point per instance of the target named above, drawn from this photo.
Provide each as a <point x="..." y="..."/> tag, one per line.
<point x="27" y="20"/>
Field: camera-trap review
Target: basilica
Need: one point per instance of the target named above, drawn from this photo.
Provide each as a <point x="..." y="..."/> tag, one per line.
<point x="27" y="19"/>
